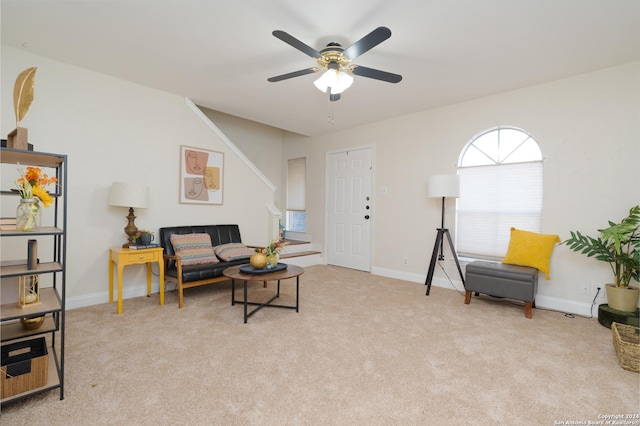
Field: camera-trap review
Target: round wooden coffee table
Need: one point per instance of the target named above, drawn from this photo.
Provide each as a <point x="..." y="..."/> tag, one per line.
<point x="234" y="273"/>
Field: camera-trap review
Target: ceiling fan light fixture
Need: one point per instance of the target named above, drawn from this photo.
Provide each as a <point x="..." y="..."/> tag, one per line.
<point x="338" y="81"/>
<point x="337" y="62"/>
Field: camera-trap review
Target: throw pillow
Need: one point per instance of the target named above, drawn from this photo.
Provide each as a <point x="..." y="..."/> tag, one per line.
<point x="233" y="251"/>
<point x="531" y="249"/>
<point x="193" y="249"/>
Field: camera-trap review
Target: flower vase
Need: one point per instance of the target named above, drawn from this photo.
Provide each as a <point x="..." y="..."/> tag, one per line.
<point x="272" y="261"/>
<point x="28" y="215"/>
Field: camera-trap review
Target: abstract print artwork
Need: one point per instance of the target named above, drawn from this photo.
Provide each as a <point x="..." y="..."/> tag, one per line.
<point x="201" y="176"/>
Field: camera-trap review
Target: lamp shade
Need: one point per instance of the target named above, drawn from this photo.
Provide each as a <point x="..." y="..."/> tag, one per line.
<point x="129" y="195"/>
<point x="444" y="186"/>
<point x="337" y="80"/>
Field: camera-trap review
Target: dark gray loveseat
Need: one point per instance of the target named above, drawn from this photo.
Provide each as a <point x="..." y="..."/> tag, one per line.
<point x="201" y="274"/>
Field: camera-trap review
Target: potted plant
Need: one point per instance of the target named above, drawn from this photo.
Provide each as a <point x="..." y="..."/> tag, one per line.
<point x="619" y="246"/>
<point x="268" y="257"/>
<point x="143" y="237"/>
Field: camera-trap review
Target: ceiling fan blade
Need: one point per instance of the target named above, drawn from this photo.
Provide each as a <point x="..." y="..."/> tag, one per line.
<point x="367" y="42"/>
<point x="292" y="74"/>
<point x="335" y="97"/>
<point x="376" y="74"/>
<point x="294" y="42"/>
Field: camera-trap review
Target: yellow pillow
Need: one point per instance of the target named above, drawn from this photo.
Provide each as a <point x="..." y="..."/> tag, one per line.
<point x="530" y="249"/>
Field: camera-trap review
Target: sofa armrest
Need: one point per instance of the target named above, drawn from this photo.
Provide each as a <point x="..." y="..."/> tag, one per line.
<point x="169" y="257"/>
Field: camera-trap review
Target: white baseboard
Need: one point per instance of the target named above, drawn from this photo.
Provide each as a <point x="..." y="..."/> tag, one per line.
<point x="305" y="261"/>
<point x="542" y="301"/>
<point x="399" y="275"/>
<point x="566" y="306"/>
<point x="103" y="297"/>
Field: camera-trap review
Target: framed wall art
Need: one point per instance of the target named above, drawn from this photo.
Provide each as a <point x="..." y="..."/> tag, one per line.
<point x="201" y="176"/>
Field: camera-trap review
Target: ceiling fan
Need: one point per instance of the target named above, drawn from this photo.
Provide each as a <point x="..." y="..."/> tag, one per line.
<point x="337" y="62"/>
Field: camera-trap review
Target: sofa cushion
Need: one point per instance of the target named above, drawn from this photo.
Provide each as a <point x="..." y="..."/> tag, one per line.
<point x="202" y="272"/>
<point x="194" y="249"/>
<point x="531" y="249"/>
<point x="233" y="251"/>
<point x="220" y="234"/>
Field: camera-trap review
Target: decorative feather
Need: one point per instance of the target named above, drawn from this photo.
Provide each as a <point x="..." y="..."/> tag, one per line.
<point x="23" y="93"/>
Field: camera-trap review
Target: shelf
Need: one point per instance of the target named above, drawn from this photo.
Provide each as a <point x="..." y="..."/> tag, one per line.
<point x="49" y="302"/>
<point x="52" y="303"/>
<point x="20" y="270"/>
<point x="15" y="330"/>
<point x="42" y="230"/>
<point x="53" y="380"/>
<point x="31" y="158"/>
<point x="17" y="194"/>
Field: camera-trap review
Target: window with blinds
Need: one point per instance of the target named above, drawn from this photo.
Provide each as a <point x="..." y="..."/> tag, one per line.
<point x="296" y="192"/>
<point x="500" y="187"/>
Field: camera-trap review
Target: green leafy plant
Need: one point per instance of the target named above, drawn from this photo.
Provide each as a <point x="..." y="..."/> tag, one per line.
<point x="140" y="232"/>
<point x="276" y="247"/>
<point x="618" y="245"/>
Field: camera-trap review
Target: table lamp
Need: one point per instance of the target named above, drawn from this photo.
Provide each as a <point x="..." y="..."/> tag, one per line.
<point x="131" y="195"/>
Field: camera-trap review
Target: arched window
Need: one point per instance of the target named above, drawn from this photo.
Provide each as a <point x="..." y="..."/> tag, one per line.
<point x="500" y="173"/>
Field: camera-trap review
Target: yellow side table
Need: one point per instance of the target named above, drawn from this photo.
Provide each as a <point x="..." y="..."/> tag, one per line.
<point x="125" y="256"/>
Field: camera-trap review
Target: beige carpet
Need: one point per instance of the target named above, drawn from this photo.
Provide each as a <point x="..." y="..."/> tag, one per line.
<point x="363" y="349"/>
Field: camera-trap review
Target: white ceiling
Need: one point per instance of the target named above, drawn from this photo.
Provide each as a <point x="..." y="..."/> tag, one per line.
<point x="220" y="53"/>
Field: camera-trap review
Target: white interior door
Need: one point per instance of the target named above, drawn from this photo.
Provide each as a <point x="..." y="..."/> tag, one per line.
<point x="349" y="209"/>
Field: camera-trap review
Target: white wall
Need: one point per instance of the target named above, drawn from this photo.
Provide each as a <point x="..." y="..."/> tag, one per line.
<point x="588" y="128"/>
<point x="267" y="147"/>
<point x="261" y="144"/>
<point x="114" y="130"/>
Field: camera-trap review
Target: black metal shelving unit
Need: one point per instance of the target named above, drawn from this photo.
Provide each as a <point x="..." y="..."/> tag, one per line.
<point x="52" y="294"/>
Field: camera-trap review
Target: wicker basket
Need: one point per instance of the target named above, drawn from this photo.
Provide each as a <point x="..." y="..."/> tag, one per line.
<point x="626" y="340"/>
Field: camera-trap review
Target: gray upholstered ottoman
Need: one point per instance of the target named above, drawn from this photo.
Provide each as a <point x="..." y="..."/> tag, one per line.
<point x="502" y="280"/>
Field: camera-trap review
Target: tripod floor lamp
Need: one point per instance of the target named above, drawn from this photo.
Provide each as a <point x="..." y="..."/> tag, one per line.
<point x="442" y="186"/>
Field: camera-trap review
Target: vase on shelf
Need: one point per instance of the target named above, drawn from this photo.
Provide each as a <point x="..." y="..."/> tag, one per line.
<point x="28" y="214"/>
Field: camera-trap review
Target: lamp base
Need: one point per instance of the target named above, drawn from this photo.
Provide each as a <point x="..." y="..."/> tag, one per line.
<point x="131" y="230"/>
<point x="442" y="232"/>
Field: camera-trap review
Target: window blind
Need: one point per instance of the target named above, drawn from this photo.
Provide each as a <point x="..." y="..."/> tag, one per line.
<point x="493" y="199"/>
<point x="296" y="183"/>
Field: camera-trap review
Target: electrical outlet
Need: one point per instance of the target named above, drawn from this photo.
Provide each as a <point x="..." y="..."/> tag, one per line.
<point x="405" y="261"/>
<point x="585" y="290"/>
<point x="594" y="291"/>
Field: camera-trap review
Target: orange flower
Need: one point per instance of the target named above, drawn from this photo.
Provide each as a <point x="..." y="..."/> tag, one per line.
<point x="36" y="178"/>
<point x="31" y="184"/>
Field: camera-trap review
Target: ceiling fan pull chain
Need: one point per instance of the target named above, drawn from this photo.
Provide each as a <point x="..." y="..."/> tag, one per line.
<point x="330" y="117"/>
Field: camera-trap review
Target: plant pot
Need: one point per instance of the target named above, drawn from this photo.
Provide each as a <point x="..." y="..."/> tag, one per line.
<point x="623" y="299"/>
<point x="145" y="239"/>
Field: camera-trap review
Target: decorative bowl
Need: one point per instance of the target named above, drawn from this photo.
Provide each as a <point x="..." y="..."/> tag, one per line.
<point x="258" y="260"/>
<point x="32" y="323"/>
